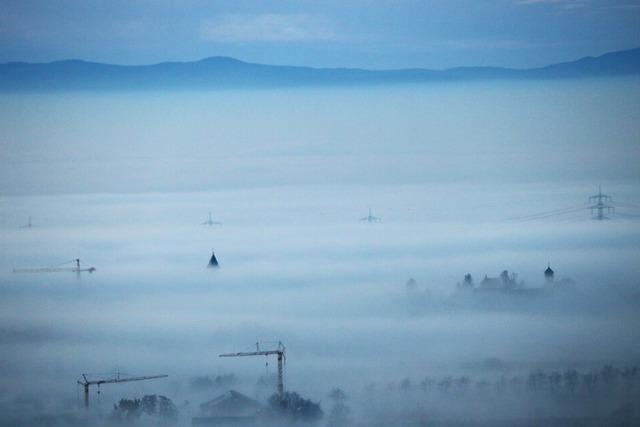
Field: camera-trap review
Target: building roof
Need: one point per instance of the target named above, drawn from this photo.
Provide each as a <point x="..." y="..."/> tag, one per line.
<point x="548" y="271"/>
<point x="231" y="404"/>
<point x="213" y="262"/>
<point x="491" y="283"/>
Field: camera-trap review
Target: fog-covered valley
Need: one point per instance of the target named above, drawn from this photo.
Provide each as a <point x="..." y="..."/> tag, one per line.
<point x="123" y="182"/>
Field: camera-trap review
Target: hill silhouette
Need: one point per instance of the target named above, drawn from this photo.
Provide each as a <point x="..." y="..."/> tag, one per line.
<point x="225" y="72"/>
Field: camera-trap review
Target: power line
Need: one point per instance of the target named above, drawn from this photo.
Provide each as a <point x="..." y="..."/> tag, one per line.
<point x="628" y="215"/>
<point x="547" y="214"/>
<point x="600" y="205"/>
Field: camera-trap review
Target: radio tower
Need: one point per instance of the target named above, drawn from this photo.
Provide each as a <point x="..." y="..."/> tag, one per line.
<point x="601" y="205"/>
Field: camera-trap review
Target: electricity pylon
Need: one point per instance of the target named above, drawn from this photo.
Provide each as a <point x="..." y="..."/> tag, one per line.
<point x="370" y="218"/>
<point x="210" y="221"/>
<point x="601" y="204"/>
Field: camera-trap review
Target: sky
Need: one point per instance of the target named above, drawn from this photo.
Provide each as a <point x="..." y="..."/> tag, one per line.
<point x="332" y="33"/>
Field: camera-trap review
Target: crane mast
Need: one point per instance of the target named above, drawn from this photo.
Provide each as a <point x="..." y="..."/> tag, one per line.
<point x="86" y="383"/>
<point x="279" y="352"/>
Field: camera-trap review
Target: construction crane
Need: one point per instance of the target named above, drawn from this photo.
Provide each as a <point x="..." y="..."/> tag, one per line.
<point x="279" y="351"/>
<point x="370" y="218"/>
<point x="86" y="383"/>
<point x="57" y="268"/>
<point x="601" y="203"/>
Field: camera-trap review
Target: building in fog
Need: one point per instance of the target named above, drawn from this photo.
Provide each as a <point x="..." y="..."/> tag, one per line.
<point x="548" y="274"/>
<point x="467" y="283"/>
<point x="230" y="408"/>
<point x="505" y="281"/>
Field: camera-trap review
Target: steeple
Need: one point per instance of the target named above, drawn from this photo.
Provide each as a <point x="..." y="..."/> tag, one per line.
<point x="548" y="273"/>
<point x="213" y="262"/>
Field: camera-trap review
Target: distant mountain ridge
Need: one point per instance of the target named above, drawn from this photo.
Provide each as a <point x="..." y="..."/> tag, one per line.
<point x="225" y="72"/>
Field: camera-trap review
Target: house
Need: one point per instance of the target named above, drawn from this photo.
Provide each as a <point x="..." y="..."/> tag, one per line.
<point x="506" y="281"/>
<point x="548" y="273"/>
<point x="230" y="408"/>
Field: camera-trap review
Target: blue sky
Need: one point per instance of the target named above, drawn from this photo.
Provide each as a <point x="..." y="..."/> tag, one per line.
<point x="373" y="34"/>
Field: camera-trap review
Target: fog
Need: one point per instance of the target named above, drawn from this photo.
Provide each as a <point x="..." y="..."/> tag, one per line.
<point x="550" y="131"/>
<point x="124" y="181"/>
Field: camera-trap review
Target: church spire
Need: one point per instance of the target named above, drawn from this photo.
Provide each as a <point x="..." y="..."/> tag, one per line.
<point x="213" y="262"/>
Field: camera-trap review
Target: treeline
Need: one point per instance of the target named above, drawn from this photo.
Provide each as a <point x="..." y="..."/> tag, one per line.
<point x="160" y="407"/>
<point x="608" y="380"/>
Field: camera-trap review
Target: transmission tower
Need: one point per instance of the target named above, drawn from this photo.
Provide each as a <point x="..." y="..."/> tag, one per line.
<point x="370" y="218"/>
<point x="601" y="204"/>
<point x="210" y="221"/>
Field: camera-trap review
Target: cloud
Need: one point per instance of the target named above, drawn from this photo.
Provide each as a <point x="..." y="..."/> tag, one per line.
<point x="525" y="2"/>
<point x="596" y="5"/>
<point x="481" y="44"/>
<point x="537" y="1"/>
<point x="564" y="4"/>
<point x="268" y="27"/>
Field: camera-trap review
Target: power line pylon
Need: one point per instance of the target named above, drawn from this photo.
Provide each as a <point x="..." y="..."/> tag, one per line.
<point x="601" y="204"/>
<point x="210" y="221"/>
<point x="370" y="218"/>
